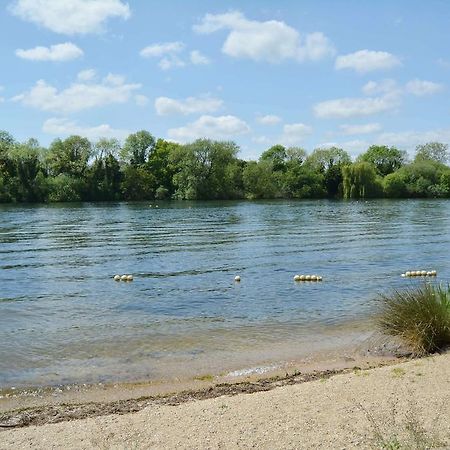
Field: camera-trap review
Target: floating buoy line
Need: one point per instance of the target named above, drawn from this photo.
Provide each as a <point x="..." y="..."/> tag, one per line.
<point x="308" y="278"/>
<point x="419" y="273"/>
<point x="237" y="278"/>
<point x="123" y="277"/>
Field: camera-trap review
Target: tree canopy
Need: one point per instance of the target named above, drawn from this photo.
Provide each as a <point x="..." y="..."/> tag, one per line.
<point x="145" y="168"/>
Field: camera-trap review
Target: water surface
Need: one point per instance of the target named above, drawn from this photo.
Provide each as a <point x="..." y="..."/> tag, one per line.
<point x="63" y="319"/>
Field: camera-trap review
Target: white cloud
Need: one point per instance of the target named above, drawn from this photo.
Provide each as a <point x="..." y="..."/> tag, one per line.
<point x="295" y="133"/>
<point x="221" y="127"/>
<point x="422" y="87"/>
<point x="197" y="58"/>
<point x="167" y="52"/>
<point x="141" y="100"/>
<point x="387" y="86"/>
<point x="272" y="41"/>
<point x="87" y="75"/>
<point x="169" y="55"/>
<point x="162" y="49"/>
<point x="355" y="107"/>
<point x="366" y="128"/>
<point x="66" y="127"/>
<point x="191" y="105"/>
<point x="269" y="119"/>
<point x="410" y="139"/>
<point x="364" y="61"/>
<point x="70" y="16"/>
<point x="169" y="62"/>
<point x="79" y="96"/>
<point x="58" y="52"/>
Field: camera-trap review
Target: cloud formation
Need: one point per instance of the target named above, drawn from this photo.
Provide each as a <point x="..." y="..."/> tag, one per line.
<point x="70" y="16"/>
<point x="269" y="119"/>
<point x="197" y="58"/>
<point x="343" y="108"/>
<point x="66" y="127"/>
<point x="364" y="61"/>
<point x="366" y="128"/>
<point x="423" y="87"/>
<point x="58" y="52"/>
<point x="170" y="54"/>
<point x="212" y="127"/>
<point x="165" y="106"/>
<point x="271" y="41"/>
<point x="79" y="96"/>
<point x="295" y="133"/>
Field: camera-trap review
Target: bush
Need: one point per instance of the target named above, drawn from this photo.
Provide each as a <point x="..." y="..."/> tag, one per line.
<point x="419" y="317"/>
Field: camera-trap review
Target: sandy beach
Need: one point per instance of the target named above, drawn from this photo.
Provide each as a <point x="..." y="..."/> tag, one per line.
<point x="406" y="403"/>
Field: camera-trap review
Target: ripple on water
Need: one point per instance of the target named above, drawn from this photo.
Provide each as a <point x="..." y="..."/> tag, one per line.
<point x="63" y="318"/>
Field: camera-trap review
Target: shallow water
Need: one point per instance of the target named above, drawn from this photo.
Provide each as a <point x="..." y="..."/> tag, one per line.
<point x="63" y="319"/>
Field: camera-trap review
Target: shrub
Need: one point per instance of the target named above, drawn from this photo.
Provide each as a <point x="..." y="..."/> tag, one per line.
<point x="420" y="317"/>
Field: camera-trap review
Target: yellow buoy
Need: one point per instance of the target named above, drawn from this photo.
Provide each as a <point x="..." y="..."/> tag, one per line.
<point x="313" y="277"/>
<point x="423" y="273"/>
<point x="297" y="278"/>
<point x="237" y="278"/>
<point x="124" y="277"/>
<point x="129" y="277"/>
<point x="117" y="277"/>
<point x="408" y="273"/>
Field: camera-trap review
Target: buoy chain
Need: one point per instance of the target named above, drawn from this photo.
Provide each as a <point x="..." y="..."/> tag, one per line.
<point x="308" y="278"/>
<point x="419" y="273"/>
<point x="123" y="277"/>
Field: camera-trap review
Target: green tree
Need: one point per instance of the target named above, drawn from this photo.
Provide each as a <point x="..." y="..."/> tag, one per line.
<point x="432" y="151"/>
<point x="161" y="167"/>
<point x="277" y="156"/>
<point x="385" y="159"/>
<point x="204" y="169"/>
<point x="260" y="180"/>
<point x="394" y="185"/>
<point x="69" y="156"/>
<point x="137" y="148"/>
<point x="329" y="161"/>
<point x="360" y="181"/>
<point x="26" y="159"/>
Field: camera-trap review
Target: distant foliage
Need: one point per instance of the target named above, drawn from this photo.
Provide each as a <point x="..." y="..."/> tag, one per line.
<point x="145" y="168"/>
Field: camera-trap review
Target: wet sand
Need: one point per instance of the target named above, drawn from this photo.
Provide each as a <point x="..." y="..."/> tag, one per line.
<point x="409" y="401"/>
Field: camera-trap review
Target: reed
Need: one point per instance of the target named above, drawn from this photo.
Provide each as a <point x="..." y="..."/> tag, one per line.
<point x="420" y="317"/>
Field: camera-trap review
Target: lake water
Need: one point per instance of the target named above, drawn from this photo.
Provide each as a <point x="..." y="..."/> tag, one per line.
<point x="63" y="319"/>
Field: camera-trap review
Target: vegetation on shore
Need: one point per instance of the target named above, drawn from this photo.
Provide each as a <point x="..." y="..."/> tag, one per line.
<point x="143" y="168"/>
<point x="420" y="317"/>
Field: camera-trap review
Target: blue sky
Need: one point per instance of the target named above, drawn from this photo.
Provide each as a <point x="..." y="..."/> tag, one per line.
<point x="299" y="73"/>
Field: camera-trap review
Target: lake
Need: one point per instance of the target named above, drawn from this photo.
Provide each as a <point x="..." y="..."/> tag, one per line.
<point x="63" y="319"/>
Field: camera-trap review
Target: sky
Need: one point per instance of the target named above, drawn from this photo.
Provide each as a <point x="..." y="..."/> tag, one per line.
<point x="349" y="73"/>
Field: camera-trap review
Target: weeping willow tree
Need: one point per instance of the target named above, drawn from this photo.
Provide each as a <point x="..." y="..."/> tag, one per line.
<point x="360" y="181"/>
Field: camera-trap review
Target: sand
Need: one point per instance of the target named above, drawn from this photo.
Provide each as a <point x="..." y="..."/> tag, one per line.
<point x="408" y="402"/>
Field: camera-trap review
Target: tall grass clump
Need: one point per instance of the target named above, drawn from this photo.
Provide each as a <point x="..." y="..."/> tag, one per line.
<point x="420" y="317"/>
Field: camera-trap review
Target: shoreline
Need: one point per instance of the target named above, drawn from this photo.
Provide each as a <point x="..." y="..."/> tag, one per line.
<point x="405" y="403"/>
<point x="39" y="406"/>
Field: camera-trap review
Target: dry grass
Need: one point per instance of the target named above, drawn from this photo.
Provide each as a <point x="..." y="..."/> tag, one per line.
<point x="420" y="317"/>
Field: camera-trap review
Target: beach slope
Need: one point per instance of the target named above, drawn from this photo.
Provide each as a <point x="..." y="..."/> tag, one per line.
<point x="408" y="404"/>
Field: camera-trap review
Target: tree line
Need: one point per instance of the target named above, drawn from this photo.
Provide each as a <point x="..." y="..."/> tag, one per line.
<point x="145" y="168"/>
